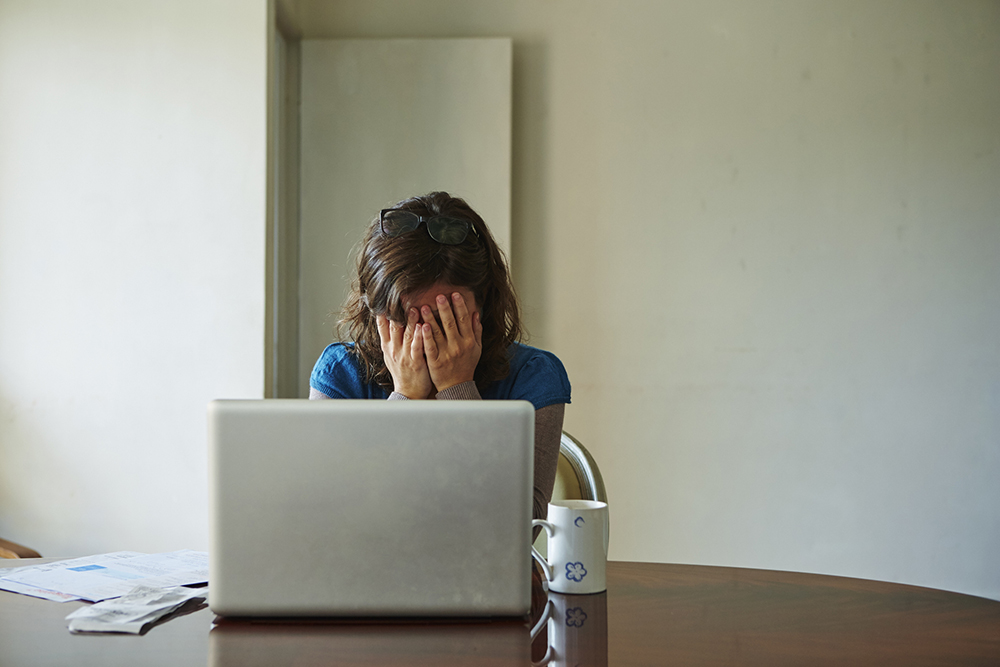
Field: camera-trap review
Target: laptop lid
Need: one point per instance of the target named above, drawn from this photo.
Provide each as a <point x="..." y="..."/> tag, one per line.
<point x="370" y="508"/>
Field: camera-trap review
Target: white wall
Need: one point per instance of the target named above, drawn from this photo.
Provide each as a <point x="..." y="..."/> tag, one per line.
<point x="132" y="231"/>
<point x="763" y="237"/>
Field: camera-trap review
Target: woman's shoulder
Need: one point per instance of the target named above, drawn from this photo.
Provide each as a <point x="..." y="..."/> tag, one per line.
<point x="525" y="356"/>
<point x="338" y="355"/>
<point x="535" y="375"/>
<point x="338" y="373"/>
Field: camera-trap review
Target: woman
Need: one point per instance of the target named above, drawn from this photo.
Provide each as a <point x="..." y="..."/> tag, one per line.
<point x="433" y="315"/>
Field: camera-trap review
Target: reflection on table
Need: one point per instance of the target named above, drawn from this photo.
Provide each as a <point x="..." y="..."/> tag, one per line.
<point x="573" y="630"/>
<point x="266" y="644"/>
<point x="652" y="614"/>
<point x="569" y="630"/>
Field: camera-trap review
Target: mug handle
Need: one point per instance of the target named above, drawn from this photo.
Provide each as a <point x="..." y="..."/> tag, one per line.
<point x="549" y="530"/>
<point x="546" y="615"/>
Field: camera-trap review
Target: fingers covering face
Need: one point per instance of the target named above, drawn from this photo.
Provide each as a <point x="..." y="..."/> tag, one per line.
<point x="454" y="329"/>
<point x="453" y="318"/>
<point x="430" y="344"/>
<point x="430" y="321"/>
<point x="463" y="318"/>
<point x="413" y="328"/>
<point x="403" y="354"/>
<point x="447" y="316"/>
<point x="382" y="322"/>
<point x="395" y="335"/>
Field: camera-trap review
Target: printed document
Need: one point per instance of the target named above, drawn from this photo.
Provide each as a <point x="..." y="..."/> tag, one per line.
<point x="96" y="578"/>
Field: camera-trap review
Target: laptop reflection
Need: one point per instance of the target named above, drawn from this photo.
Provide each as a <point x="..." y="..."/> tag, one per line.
<point x="246" y="643"/>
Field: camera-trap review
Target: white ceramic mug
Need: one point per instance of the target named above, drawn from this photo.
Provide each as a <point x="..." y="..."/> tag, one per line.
<point x="577" y="547"/>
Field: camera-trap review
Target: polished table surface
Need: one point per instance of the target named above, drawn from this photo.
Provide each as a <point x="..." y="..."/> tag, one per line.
<point x="654" y="614"/>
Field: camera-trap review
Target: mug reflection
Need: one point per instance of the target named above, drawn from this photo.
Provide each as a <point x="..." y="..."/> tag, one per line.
<point x="572" y="630"/>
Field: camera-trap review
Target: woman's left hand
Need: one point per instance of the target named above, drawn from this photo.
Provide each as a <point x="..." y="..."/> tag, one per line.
<point x="453" y="348"/>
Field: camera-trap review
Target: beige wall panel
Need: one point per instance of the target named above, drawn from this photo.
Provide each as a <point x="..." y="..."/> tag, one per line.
<point x="383" y="120"/>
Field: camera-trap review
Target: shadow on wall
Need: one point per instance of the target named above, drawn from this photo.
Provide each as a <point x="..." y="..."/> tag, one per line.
<point x="530" y="187"/>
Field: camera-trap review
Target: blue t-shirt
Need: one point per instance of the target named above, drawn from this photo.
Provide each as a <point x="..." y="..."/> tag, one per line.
<point x="535" y="375"/>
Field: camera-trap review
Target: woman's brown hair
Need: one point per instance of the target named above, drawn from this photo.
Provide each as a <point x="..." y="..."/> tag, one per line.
<point x="390" y="268"/>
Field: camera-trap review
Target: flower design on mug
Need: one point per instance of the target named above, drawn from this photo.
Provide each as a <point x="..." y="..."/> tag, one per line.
<point x="575" y="617"/>
<point x="575" y="571"/>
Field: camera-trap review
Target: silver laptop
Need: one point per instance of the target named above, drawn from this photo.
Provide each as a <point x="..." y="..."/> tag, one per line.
<point x="370" y="508"/>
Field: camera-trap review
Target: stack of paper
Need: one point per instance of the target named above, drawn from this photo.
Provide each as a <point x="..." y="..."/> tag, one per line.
<point x="96" y="578"/>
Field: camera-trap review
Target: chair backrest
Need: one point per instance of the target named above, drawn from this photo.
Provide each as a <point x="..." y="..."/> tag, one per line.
<point x="577" y="474"/>
<point x="577" y="477"/>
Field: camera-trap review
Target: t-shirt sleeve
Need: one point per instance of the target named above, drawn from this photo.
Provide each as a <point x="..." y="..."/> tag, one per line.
<point x="542" y="380"/>
<point x="338" y="374"/>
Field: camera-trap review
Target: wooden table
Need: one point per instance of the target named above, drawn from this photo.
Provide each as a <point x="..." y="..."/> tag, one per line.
<point x="689" y="614"/>
<point x="657" y="614"/>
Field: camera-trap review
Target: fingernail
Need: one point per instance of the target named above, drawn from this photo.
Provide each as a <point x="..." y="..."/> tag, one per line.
<point x="441" y="298"/>
<point x="456" y="296"/>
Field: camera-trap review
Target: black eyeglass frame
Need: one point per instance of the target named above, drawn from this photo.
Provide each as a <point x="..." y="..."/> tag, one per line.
<point x="437" y="226"/>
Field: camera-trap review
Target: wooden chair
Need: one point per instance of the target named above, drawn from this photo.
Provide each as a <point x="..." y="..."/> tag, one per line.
<point x="10" y="549"/>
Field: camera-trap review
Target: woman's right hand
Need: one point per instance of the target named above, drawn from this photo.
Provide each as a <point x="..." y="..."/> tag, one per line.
<point x="403" y="352"/>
